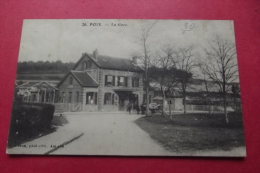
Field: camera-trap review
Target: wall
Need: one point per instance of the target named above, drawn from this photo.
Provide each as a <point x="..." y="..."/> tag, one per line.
<point x="93" y="70"/>
<point x="74" y="88"/>
<point x="110" y="89"/>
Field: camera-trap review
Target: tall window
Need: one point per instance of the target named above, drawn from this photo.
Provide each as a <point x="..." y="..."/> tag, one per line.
<point x="86" y="65"/>
<point x="109" y="80"/>
<point x="82" y="65"/>
<point x="122" y="81"/>
<point x="89" y="64"/>
<point x="77" y="96"/>
<point x="91" y="98"/>
<point x="135" y="82"/>
<point x="108" y="98"/>
<point x="70" y="97"/>
<point x="63" y="97"/>
<point x="71" y="80"/>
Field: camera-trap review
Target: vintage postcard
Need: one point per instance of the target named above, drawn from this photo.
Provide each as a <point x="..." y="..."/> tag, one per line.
<point x="128" y="88"/>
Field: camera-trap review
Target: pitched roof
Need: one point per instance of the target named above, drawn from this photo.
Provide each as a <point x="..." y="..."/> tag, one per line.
<point x="107" y="62"/>
<point x="37" y="84"/>
<point x="84" y="78"/>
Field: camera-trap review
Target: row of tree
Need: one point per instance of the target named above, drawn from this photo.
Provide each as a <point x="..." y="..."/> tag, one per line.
<point x="44" y="67"/>
<point x="174" y="67"/>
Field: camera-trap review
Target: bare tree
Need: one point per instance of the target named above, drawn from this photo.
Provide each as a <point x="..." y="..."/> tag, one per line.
<point x="207" y="83"/>
<point x="143" y="35"/>
<point x="162" y="70"/>
<point x="221" y="66"/>
<point x="185" y="63"/>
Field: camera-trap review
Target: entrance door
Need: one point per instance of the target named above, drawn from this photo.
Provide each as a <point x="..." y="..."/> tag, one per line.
<point x="124" y="98"/>
<point x="121" y="103"/>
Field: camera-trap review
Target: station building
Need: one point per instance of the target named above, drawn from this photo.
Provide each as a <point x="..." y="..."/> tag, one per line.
<point x="102" y="83"/>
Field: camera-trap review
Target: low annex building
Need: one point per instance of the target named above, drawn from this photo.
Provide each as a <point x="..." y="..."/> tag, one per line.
<point x="102" y="83"/>
<point x="37" y="92"/>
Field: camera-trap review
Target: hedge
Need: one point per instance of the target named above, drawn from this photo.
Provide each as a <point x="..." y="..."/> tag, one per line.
<point x="32" y="115"/>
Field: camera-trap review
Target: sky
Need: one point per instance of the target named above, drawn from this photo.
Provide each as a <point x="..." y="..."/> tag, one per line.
<point x="66" y="40"/>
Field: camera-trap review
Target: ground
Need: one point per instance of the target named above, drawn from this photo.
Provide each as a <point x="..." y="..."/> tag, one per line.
<point x="195" y="132"/>
<point x="120" y="133"/>
<point x="110" y="134"/>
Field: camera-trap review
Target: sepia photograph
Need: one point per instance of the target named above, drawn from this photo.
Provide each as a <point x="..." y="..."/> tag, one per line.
<point x="125" y="87"/>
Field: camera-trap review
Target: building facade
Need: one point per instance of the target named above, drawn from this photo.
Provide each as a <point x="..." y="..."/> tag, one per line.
<point x="102" y="83"/>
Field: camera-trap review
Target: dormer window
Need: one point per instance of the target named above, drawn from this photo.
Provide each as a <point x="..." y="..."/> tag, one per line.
<point x="82" y="66"/>
<point x="89" y="64"/>
<point x="86" y="64"/>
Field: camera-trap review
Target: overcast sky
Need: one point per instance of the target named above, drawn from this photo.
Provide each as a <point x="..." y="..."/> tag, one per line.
<point x="66" y="40"/>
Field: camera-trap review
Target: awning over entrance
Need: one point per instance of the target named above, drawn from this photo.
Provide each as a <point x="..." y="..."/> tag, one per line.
<point x="125" y="89"/>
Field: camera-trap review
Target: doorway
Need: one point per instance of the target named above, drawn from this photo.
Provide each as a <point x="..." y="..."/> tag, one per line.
<point x="124" y="97"/>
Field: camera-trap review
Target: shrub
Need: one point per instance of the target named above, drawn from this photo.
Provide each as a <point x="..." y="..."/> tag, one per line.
<point x="31" y="115"/>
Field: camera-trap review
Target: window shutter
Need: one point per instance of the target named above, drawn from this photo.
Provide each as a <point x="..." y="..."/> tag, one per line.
<point x="113" y="83"/>
<point x="105" y="79"/>
<point x="133" y="81"/>
<point x="105" y="98"/>
<point x="126" y="81"/>
<point x="137" y="81"/>
<point x="87" y="98"/>
<point x="118" y="80"/>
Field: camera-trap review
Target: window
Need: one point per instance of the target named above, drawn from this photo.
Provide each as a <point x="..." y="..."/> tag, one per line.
<point x="70" y="97"/>
<point x="122" y="81"/>
<point x="86" y="65"/>
<point x="71" y="80"/>
<point x="108" y="98"/>
<point x="135" y="82"/>
<point x="89" y="64"/>
<point x="63" y="97"/>
<point x="82" y="65"/>
<point x="91" y="98"/>
<point x="109" y="80"/>
<point x="77" y="96"/>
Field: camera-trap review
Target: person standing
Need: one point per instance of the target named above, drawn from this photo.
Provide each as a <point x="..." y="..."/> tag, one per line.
<point x="129" y="107"/>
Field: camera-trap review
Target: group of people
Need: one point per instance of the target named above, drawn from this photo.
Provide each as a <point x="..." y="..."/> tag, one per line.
<point x="131" y="106"/>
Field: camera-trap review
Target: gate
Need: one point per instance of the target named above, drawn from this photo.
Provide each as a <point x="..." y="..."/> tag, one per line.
<point x="68" y="107"/>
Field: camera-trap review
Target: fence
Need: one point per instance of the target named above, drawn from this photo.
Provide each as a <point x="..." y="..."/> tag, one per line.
<point x="68" y="107"/>
<point x="204" y="108"/>
<point x="190" y="108"/>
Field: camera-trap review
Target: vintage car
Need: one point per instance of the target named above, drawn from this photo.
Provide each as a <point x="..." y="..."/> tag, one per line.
<point x="153" y="107"/>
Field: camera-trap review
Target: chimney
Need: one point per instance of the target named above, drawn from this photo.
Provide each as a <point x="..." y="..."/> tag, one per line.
<point x="135" y="60"/>
<point x="95" y="54"/>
